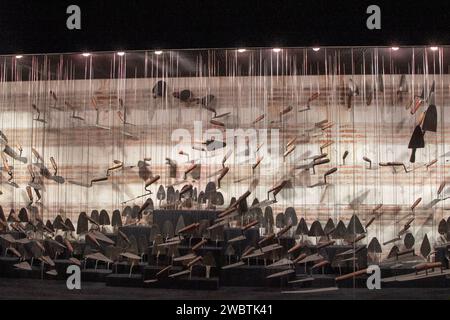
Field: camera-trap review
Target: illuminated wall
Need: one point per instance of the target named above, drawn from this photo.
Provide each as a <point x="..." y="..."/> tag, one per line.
<point x="79" y="99"/>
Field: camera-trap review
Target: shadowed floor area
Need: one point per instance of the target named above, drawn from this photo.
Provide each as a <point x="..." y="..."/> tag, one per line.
<point x="38" y="289"/>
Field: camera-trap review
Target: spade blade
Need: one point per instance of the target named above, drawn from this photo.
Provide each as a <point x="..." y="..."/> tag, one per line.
<point x="430" y="121"/>
<point x="425" y="248"/>
<point x="416" y="142"/>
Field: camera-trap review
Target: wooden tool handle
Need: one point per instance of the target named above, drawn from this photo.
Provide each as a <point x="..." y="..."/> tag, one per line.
<point x="300" y="258"/>
<point x="191" y="168"/>
<point x="295" y="248"/>
<point x="327" y="126"/>
<point x="358" y="238"/>
<point x="190" y="227"/>
<point x="408" y="223"/>
<point x="431" y="163"/>
<point x="426" y="266"/>
<point x="266" y="238"/>
<point x="412" y="159"/>
<point x="367" y="160"/>
<point x="38" y="194"/>
<point x="331" y="171"/>
<point x="36" y="154"/>
<point x="151" y="181"/>
<point x="223" y="172"/>
<point x="320" y="162"/>
<point x="166" y="269"/>
<point x="198" y="245"/>
<point x="417" y="104"/>
<point x="286" y="110"/>
<point x="370" y="222"/>
<point x="258" y="161"/>
<point x="249" y="225"/>
<point x="313" y="97"/>
<point x="320" y="123"/>
<point x="217" y="123"/>
<point x="289" y="151"/>
<point x="441" y="187"/>
<point x="225" y="158"/>
<point x="228" y="211"/>
<point x="416" y="203"/>
<point x="99" y="179"/>
<point x="320" y="264"/>
<point x="259" y="118"/>
<point x="243" y="197"/>
<point x="378" y="207"/>
<point x="284" y="230"/>
<point x="391" y="241"/>
<point x="94" y="102"/>
<point x="116" y="166"/>
<point x="344" y="156"/>
<point x="29" y="193"/>
<point x="55" y="167"/>
<point x="68" y="246"/>
<point x="351" y="275"/>
<point x="320" y="156"/>
<point x="192" y="262"/>
<point x="324" y="245"/>
<point x="326" y="144"/>
<point x="5" y="164"/>
<point x="248" y="251"/>
<point x="291" y="142"/>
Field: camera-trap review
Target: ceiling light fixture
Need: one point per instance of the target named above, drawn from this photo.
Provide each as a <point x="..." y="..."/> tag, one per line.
<point x="120" y="53"/>
<point x="158" y="52"/>
<point x="395" y="48"/>
<point x="316" y="49"/>
<point x="276" y="50"/>
<point x="241" y="50"/>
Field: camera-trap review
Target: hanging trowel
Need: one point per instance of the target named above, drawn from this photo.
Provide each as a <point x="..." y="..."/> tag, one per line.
<point x="416" y="142"/>
<point x="430" y="121"/>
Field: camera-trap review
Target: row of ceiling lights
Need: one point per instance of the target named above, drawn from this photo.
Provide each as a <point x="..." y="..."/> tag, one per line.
<point x="241" y="50"/>
<point x="317" y="49"/>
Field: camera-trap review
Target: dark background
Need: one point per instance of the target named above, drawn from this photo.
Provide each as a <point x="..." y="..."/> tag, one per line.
<point x="40" y="26"/>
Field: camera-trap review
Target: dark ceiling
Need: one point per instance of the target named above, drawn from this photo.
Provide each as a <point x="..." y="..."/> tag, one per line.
<point x="229" y="62"/>
<point x="40" y="26"/>
<point x="32" y="27"/>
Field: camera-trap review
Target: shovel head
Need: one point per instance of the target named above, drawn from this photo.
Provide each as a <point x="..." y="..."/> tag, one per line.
<point x="416" y="142"/>
<point x="430" y="121"/>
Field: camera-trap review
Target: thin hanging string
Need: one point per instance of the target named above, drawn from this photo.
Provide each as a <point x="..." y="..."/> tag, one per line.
<point x="379" y="115"/>
<point x="352" y="115"/>
<point x="442" y="123"/>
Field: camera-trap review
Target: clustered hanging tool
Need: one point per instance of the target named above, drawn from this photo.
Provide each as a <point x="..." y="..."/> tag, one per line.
<point x="39" y="114"/>
<point x="402" y="88"/>
<point x="428" y="123"/>
<point x="352" y="91"/>
<point x="313" y="97"/>
<point x="97" y="124"/>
